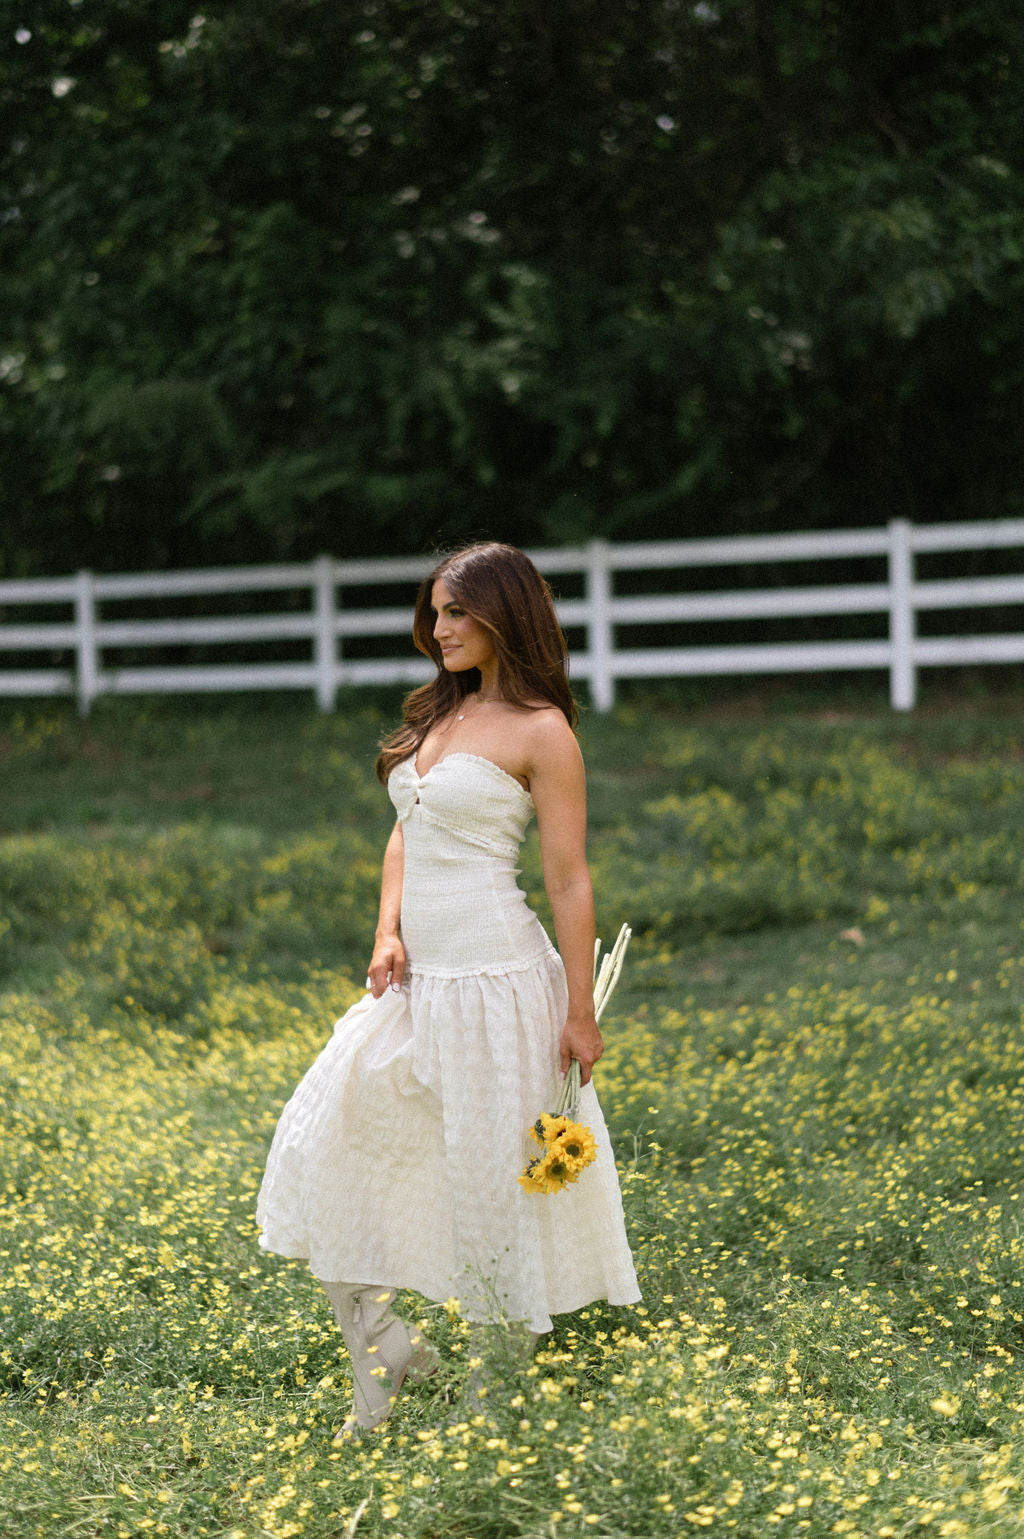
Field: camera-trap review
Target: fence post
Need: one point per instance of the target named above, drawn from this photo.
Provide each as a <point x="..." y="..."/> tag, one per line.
<point x="902" y="672"/>
<point x="325" y="650"/>
<point x="599" y="625"/>
<point x="87" y="669"/>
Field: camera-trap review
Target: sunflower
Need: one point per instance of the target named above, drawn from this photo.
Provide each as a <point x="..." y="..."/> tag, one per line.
<point x="538" y="1178"/>
<point x="551" y="1172"/>
<point x="548" y="1127"/>
<point x="576" y="1145"/>
<point x="568" y="1149"/>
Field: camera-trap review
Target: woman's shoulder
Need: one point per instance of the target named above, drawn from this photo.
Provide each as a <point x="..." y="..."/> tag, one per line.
<point x="547" y="736"/>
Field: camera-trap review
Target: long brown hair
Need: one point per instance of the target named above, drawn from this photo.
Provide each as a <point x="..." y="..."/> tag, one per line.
<point x="501" y="588"/>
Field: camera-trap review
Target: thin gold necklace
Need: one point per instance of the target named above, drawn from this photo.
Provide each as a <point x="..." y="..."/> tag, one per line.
<point x="481" y="700"/>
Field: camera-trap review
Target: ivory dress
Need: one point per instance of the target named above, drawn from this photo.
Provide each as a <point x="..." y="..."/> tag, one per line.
<point x="396" y="1159"/>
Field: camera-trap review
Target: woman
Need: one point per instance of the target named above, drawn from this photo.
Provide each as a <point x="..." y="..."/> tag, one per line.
<point x="395" y="1163"/>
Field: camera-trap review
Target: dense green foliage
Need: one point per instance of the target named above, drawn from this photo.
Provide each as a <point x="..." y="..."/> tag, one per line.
<point x="292" y="275"/>
<point x="813" y="1081"/>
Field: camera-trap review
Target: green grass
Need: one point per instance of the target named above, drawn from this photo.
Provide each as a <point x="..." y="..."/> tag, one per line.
<point x="813" y="1079"/>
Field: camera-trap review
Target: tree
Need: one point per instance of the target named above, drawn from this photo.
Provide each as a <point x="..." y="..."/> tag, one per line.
<point x="411" y="270"/>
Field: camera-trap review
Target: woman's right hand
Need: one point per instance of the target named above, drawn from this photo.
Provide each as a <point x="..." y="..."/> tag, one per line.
<point x="387" y="965"/>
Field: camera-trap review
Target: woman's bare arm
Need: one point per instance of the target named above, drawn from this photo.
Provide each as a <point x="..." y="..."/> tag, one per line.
<point x="387" y="965"/>
<point x="558" y="787"/>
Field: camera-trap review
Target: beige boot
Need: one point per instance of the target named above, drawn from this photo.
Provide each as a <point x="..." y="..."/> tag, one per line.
<point x="384" y="1352"/>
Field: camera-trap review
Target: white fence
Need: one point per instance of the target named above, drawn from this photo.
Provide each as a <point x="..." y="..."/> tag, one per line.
<point x="326" y="610"/>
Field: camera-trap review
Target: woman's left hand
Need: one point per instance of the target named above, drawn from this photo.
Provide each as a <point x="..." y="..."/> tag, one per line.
<point x="581" y="1039"/>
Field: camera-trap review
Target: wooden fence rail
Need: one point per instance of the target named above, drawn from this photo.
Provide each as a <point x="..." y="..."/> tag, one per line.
<point x="327" y="606"/>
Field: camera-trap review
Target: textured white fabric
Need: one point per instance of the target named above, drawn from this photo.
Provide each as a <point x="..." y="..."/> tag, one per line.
<point x="395" y="1161"/>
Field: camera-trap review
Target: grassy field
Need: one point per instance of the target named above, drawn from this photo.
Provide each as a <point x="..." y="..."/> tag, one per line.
<point x="814" y="1080"/>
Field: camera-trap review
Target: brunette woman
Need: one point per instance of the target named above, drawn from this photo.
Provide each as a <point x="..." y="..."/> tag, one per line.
<point x="395" y="1163"/>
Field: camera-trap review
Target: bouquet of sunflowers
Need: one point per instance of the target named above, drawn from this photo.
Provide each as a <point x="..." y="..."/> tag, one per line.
<point x="567" y="1147"/>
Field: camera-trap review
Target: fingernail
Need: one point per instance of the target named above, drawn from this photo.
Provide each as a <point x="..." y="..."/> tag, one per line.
<point x="396" y="986"/>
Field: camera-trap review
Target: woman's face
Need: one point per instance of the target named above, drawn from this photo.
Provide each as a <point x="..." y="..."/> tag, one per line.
<point x="464" y="642"/>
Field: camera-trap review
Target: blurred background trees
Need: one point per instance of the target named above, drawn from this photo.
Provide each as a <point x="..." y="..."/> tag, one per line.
<point x="284" y="276"/>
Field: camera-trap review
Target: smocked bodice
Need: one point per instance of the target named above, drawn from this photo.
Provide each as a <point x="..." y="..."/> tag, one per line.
<point x="471" y="797"/>
<point x="462" y="824"/>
